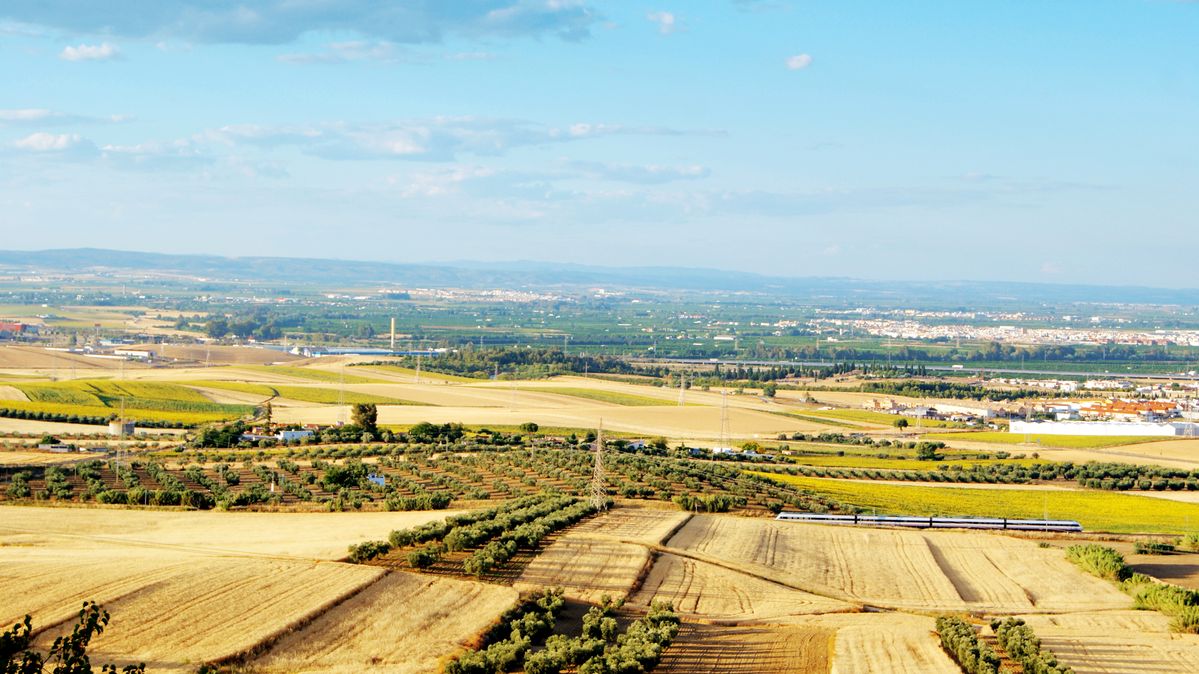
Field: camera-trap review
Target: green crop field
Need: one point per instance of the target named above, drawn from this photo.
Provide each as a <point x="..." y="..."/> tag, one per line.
<point x="134" y="411"/>
<point x="1058" y="441"/>
<point x="326" y="376"/>
<point x="308" y="394"/>
<point x="600" y="395"/>
<point x="1096" y="510"/>
<point x="143" y="401"/>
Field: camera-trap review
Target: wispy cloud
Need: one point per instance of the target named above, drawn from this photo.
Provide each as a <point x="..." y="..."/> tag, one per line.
<point x="45" y="117"/>
<point x="43" y="142"/>
<point x="667" y="21"/>
<point x="645" y="174"/>
<point x="282" y="21"/>
<point x="88" y="52"/>
<point x="432" y="139"/>
<point x="798" y="62"/>
<point x="379" y="51"/>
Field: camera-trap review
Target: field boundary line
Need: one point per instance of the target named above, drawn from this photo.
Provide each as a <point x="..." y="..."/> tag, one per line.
<point x="264" y="645"/>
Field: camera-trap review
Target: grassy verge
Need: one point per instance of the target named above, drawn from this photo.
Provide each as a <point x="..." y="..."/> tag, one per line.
<point x="1095" y="510"/>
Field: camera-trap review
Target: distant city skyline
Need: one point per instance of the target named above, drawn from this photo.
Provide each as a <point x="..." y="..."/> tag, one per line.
<point x="1015" y="140"/>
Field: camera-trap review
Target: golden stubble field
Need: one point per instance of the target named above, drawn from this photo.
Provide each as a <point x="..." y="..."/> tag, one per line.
<point x="764" y="596"/>
<point x="755" y="595"/>
<point x="185" y="588"/>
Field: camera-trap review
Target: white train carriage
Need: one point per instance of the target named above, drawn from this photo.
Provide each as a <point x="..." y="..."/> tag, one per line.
<point x="917" y="522"/>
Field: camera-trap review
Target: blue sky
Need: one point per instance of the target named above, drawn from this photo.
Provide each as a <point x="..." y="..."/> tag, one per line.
<point x="1030" y="140"/>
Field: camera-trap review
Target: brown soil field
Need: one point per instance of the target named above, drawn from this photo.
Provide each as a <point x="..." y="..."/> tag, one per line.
<point x="218" y="354"/>
<point x="402" y="624"/>
<point x="1117" y="642"/>
<point x="709" y="593"/>
<point x="36" y="360"/>
<point x="918" y="570"/>
<point x="703" y="649"/>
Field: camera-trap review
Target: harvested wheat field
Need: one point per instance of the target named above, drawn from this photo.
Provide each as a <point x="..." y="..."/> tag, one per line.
<point x="709" y="593"/>
<point x="900" y="569"/>
<point x="27" y="359"/>
<point x="1117" y="642"/>
<point x="402" y="624"/>
<point x="1000" y="573"/>
<point x="876" y="566"/>
<point x="887" y="643"/>
<point x="34" y="458"/>
<point x="703" y="649"/>
<point x="586" y="568"/>
<point x="213" y="608"/>
<point x="301" y="535"/>
<point x="633" y="523"/>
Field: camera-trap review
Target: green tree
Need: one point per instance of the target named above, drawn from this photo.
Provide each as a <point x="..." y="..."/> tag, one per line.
<point x="901" y="423"/>
<point x="770" y="389"/>
<point x="366" y="415"/>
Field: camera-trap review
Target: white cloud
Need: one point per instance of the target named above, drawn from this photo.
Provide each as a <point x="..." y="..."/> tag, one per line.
<point x="667" y="21"/>
<point x="798" y="62"/>
<point x="49" y="142"/>
<point x="88" y="52"/>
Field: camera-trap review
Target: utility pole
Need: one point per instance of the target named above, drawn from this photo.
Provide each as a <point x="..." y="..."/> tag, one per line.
<point x="682" y="388"/>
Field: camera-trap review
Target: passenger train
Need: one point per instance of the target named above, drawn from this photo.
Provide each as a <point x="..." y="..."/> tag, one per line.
<point x="934" y="522"/>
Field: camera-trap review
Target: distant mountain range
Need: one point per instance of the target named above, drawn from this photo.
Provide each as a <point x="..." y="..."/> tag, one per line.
<point x="553" y="276"/>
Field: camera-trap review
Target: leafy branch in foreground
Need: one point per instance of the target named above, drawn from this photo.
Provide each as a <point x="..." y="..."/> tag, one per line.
<point x="67" y="655"/>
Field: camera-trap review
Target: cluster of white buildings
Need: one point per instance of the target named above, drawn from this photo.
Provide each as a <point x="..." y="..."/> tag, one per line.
<point x="1007" y="334"/>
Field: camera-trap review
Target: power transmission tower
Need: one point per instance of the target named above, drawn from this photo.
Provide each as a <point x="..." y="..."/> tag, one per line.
<point x="682" y="388"/>
<point x="598" y="491"/>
